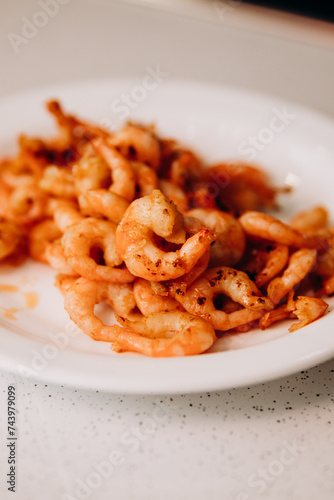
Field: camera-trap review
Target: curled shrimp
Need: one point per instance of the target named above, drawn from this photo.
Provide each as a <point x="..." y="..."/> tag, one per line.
<point x="276" y="259"/>
<point x="105" y="182"/>
<point x="139" y="144"/>
<point x="300" y="265"/>
<point x="267" y="227"/>
<point x="179" y="285"/>
<point x="199" y="298"/>
<point x="173" y="333"/>
<point x="174" y="193"/>
<point x="40" y="236"/>
<point x="25" y="203"/>
<point x="64" y="212"/>
<point x="311" y="221"/>
<point x="94" y="238"/>
<point x="241" y="186"/>
<point x="181" y="166"/>
<point x="135" y="239"/>
<point x="9" y="237"/>
<point x="54" y="255"/>
<point x="99" y="202"/>
<point x="148" y="301"/>
<point x="123" y="178"/>
<point x="83" y="295"/>
<point x="58" y="182"/>
<point x="230" y="243"/>
<point x="64" y="281"/>
<point x="146" y="178"/>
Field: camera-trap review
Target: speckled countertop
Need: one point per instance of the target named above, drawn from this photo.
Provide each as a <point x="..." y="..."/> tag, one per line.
<point x="272" y="441"/>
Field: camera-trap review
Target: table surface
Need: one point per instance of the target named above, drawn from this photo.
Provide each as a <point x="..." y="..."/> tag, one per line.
<point x="273" y="440"/>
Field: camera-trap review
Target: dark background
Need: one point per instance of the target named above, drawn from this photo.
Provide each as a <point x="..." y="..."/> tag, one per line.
<point x="321" y="9"/>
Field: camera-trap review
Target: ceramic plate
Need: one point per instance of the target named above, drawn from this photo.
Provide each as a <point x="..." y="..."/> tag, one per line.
<point x="293" y="144"/>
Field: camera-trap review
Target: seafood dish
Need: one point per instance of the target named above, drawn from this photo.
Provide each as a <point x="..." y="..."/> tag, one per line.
<point x="181" y="251"/>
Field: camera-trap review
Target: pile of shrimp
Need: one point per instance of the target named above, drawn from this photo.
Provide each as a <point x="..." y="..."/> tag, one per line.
<point x="182" y="252"/>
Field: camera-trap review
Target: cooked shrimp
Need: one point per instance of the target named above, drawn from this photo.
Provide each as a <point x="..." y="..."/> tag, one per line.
<point x="63" y="282"/>
<point x="241" y="186"/>
<point x="97" y="202"/>
<point x="65" y="213"/>
<point x="103" y="188"/>
<point x="310" y="221"/>
<point x="81" y="298"/>
<point x="146" y="178"/>
<point x="174" y="193"/>
<point x="94" y="236"/>
<point x="9" y="238"/>
<point x="139" y="144"/>
<point x="307" y="309"/>
<point x="199" y="298"/>
<point x="278" y="314"/>
<point x="265" y="226"/>
<point x="57" y="181"/>
<point x="181" y="166"/>
<point x="25" y="203"/>
<point x="39" y="238"/>
<point x="179" y="286"/>
<point x="54" y="255"/>
<point x="123" y="177"/>
<point x="276" y="259"/>
<point x="229" y="246"/>
<point x="325" y="262"/>
<point x="135" y="242"/>
<point x="166" y="334"/>
<point x="91" y="172"/>
<point x="300" y="265"/>
<point x="148" y="301"/>
<point x="328" y="286"/>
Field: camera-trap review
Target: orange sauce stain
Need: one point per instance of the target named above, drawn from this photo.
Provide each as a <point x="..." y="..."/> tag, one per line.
<point x="8" y="288"/>
<point x="31" y="299"/>
<point x="9" y="313"/>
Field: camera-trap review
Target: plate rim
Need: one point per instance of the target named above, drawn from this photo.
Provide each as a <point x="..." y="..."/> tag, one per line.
<point x="51" y="373"/>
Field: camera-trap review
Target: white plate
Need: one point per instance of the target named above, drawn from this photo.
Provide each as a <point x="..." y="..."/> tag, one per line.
<point x="219" y="124"/>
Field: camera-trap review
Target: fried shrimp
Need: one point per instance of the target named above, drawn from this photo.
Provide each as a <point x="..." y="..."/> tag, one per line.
<point x="39" y="238"/>
<point x="277" y="257"/>
<point x="310" y="221"/>
<point x="173" y="333"/>
<point x="180" y="285"/>
<point x="135" y="239"/>
<point x="9" y="237"/>
<point x="307" y="310"/>
<point x="267" y="227"/>
<point x="94" y="238"/>
<point x="65" y="213"/>
<point x="54" y="255"/>
<point x="25" y="203"/>
<point x="241" y="186"/>
<point x="230" y="243"/>
<point x="137" y="143"/>
<point x="136" y="224"/>
<point x="174" y="193"/>
<point x="122" y="175"/>
<point x="300" y="265"/>
<point x="82" y="296"/>
<point x="58" y="182"/>
<point x="199" y="298"/>
<point x="146" y="178"/>
<point x="101" y="186"/>
<point x="148" y="301"/>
